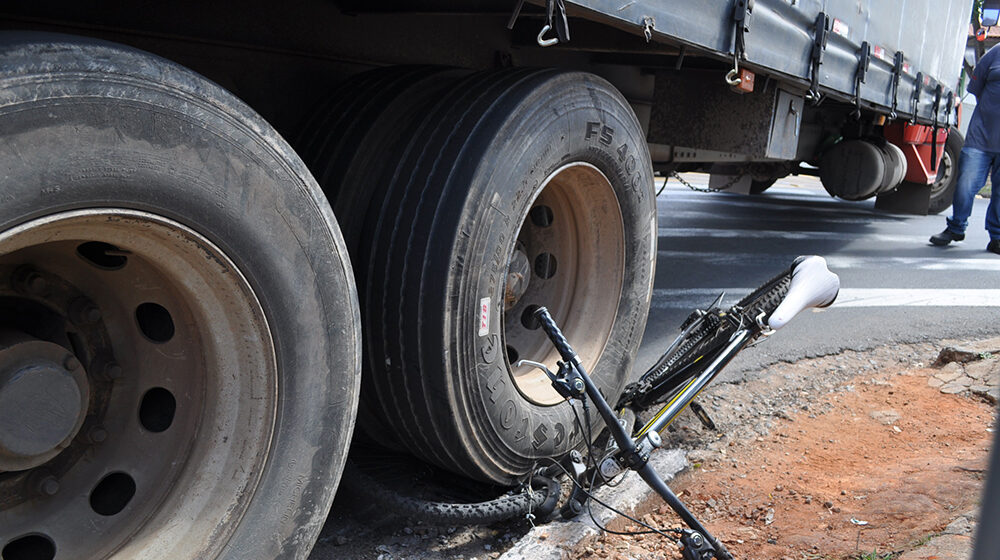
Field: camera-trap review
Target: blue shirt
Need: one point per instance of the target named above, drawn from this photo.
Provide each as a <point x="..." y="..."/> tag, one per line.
<point x="984" y="127"/>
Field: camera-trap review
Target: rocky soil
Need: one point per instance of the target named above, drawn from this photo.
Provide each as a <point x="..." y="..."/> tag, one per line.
<point x="836" y="457"/>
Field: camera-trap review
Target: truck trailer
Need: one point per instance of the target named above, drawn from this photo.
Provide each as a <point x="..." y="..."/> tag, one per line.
<point x="234" y="236"/>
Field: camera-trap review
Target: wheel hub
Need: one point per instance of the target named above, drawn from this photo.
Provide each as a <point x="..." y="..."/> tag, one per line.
<point x="144" y="336"/>
<point x="569" y="257"/>
<point x="43" y="401"/>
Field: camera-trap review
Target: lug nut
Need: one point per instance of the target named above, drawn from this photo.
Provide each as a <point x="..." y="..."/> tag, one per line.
<point x="83" y="311"/>
<point x="113" y="371"/>
<point x="71" y="363"/>
<point x="97" y="434"/>
<point x="30" y="282"/>
<point x="49" y="486"/>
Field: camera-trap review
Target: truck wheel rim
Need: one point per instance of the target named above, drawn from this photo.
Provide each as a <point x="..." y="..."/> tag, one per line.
<point x="179" y="374"/>
<point x="572" y="238"/>
<point x="944" y="175"/>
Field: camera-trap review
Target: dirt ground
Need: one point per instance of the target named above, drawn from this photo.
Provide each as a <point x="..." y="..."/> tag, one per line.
<point x="879" y="458"/>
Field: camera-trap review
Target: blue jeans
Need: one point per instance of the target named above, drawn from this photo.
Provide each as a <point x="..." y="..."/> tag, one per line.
<point x="973" y="168"/>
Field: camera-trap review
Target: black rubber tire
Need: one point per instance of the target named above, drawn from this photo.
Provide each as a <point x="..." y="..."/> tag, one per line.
<point x="91" y="124"/>
<point x="674" y="370"/>
<point x="544" y="495"/>
<point x="348" y="145"/>
<point x="943" y="190"/>
<point x="459" y="161"/>
<point x="363" y="111"/>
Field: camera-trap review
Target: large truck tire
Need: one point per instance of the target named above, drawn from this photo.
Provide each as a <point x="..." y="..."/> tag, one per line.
<point x="361" y="109"/>
<point x="179" y="331"/>
<point x="350" y="145"/>
<point x="496" y="193"/>
<point x="943" y="188"/>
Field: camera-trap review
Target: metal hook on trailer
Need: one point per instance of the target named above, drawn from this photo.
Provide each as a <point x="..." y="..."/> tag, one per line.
<point x="864" y="61"/>
<point x="648" y="24"/>
<point x="915" y="99"/>
<point x="542" y="41"/>
<point x="733" y="76"/>
<point x="742" y="11"/>
<point x="555" y="19"/>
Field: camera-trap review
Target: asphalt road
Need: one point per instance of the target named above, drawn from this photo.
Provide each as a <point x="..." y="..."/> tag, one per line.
<point x="895" y="286"/>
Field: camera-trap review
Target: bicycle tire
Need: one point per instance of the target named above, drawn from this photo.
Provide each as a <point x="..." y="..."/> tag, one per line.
<point x="768" y="296"/>
<point x="659" y="387"/>
<point x="543" y="497"/>
<point x="671" y="372"/>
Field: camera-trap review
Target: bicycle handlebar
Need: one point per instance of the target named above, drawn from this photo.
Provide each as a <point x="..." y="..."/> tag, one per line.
<point x="812" y="285"/>
<point x="555" y="335"/>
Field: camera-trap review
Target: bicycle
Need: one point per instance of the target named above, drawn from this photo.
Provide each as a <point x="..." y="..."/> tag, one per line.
<point x="709" y="340"/>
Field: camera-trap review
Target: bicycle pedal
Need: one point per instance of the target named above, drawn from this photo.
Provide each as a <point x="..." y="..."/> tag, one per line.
<point x="702" y="415"/>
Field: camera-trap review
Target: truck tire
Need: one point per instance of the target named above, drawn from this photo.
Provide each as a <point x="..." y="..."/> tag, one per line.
<point x="365" y="110"/>
<point x="173" y="281"/>
<point x="534" y="180"/>
<point x="347" y="144"/>
<point x="943" y="188"/>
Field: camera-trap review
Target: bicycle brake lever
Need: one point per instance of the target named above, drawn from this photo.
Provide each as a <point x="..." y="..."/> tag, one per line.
<point x="548" y="373"/>
<point x="567" y="383"/>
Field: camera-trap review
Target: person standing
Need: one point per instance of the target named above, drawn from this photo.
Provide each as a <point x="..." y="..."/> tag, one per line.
<point x="980" y="157"/>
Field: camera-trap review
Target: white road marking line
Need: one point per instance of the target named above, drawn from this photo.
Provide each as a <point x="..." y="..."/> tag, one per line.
<point x="713" y="214"/>
<point x="895" y="297"/>
<point x="692" y="298"/>
<point x="667" y="232"/>
<point x="812" y="211"/>
<point x="946" y="262"/>
<point x="848" y="297"/>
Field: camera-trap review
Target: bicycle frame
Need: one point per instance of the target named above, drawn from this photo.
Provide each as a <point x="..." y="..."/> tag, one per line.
<point x="809" y="284"/>
<point x="675" y="406"/>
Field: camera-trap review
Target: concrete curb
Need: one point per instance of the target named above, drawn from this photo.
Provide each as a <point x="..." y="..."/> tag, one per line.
<point x="549" y="541"/>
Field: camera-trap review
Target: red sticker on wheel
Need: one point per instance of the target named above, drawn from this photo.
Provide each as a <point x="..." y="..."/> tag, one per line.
<point x="484" y="316"/>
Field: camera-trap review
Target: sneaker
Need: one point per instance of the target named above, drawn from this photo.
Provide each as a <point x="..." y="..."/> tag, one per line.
<point x="946" y="237"/>
<point x="994" y="246"/>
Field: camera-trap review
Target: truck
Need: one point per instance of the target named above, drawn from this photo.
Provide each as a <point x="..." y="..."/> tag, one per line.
<point x="237" y="236"/>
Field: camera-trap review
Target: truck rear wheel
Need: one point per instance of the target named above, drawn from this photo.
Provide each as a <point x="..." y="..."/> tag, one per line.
<point x="501" y="192"/>
<point x="943" y="188"/>
<point x="179" y="335"/>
